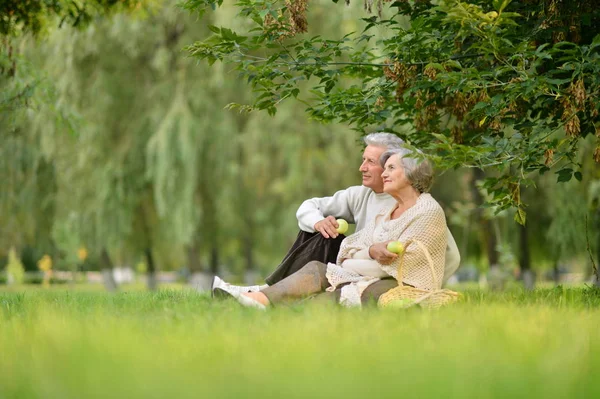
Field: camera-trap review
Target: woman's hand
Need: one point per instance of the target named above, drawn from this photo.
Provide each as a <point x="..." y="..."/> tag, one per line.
<point x="380" y="253"/>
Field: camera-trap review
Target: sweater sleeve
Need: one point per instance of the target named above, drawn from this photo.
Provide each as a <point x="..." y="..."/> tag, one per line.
<point x="339" y="205"/>
<point x="452" y="257"/>
<point x="358" y="242"/>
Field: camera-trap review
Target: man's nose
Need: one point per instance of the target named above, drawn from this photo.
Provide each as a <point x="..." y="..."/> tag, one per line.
<point x="363" y="167"/>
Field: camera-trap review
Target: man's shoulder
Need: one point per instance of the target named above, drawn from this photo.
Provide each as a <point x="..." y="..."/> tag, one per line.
<point x="362" y="194"/>
<point x="366" y="191"/>
<point x="359" y="190"/>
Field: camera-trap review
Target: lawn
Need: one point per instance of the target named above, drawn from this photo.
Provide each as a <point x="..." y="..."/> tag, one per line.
<point x="180" y="344"/>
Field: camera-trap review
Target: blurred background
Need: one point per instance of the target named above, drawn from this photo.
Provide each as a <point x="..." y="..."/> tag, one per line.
<point x="119" y="164"/>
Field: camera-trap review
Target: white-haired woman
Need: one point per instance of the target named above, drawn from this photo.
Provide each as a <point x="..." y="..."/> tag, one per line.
<point x="414" y="216"/>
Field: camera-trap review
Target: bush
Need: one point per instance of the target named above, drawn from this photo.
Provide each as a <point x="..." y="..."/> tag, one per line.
<point x="38" y="278"/>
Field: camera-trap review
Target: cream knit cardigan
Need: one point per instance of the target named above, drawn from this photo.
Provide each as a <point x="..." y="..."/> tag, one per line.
<point x="425" y="221"/>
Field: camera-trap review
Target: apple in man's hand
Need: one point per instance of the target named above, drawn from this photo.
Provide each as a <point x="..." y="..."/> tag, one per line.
<point x="342" y="226"/>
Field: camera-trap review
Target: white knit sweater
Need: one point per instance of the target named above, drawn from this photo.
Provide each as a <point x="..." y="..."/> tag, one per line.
<point x="424" y="221"/>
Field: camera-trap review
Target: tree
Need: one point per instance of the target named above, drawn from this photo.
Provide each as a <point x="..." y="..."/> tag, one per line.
<point x="509" y="86"/>
<point x="27" y="201"/>
<point x="147" y="162"/>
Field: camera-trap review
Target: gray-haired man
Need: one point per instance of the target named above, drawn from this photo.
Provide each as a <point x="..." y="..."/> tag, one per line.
<point x="319" y="239"/>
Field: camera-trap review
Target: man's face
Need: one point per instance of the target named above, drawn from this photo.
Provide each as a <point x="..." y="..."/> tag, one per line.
<point x="370" y="168"/>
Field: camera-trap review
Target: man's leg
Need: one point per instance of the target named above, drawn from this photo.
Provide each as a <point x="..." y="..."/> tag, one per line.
<point x="307" y="281"/>
<point x="307" y="247"/>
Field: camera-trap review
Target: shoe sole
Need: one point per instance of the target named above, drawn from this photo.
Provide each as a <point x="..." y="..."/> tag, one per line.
<point x="212" y="287"/>
<point x="220" y="293"/>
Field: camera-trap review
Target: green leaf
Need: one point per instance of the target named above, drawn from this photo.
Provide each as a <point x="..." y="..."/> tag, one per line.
<point x="558" y="81"/>
<point x="520" y="216"/>
<point x="565" y="175"/>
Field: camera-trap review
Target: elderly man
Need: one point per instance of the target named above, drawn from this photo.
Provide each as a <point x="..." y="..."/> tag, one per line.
<point x="319" y="240"/>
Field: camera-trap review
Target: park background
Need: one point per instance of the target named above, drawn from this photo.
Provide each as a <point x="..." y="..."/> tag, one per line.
<point x="118" y="152"/>
<point x="119" y="160"/>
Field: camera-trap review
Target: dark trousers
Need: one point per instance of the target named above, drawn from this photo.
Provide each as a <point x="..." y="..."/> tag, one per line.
<point x="306" y="248"/>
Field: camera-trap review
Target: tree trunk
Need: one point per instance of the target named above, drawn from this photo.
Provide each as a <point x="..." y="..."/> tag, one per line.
<point x="193" y="255"/>
<point x="250" y="273"/>
<point x="556" y="273"/>
<point x="525" y="259"/>
<point x="214" y="259"/>
<point x="152" y="282"/>
<point x="198" y="278"/>
<point x="487" y="232"/>
<point x="106" y="267"/>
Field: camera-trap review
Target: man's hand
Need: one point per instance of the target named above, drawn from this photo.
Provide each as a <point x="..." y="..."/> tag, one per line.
<point x="380" y="253"/>
<point x="327" y="227"/>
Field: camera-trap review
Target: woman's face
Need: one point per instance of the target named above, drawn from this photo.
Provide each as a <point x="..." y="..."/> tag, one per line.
<point x="394" y="179"/>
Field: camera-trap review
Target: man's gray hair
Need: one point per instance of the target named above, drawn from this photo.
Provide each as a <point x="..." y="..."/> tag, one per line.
<point x="382" y="139"/>
<point x="419" y="172"/>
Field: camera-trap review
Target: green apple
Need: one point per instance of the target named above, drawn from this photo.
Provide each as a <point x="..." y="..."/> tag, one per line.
<point x="395" y="247"/>
<point x="342" y="226"/>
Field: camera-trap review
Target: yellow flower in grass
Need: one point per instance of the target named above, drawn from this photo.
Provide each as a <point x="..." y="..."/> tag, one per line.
<point x="82" y="254"/>
<point x="45" y="264"/>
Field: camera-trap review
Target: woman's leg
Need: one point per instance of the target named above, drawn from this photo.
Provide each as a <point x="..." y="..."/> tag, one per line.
<point x="372" y="293"/>
<point x="309" y="280"/>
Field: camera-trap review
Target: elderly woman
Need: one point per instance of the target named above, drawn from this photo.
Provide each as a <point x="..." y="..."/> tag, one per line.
<point x="415" y="216"/>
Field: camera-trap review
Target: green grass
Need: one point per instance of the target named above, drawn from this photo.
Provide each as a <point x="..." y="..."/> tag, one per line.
<point x="179" y="344"/>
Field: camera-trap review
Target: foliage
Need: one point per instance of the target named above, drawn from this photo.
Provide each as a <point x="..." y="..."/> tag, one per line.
<point x="27" y="200"/>
<point x="34" y="18"/>
<point x="510" y="86"/>
<point x="113" y="138"/>
<point x="136" y="150"/>
<point x="15" y="271"/>
<point x="31" y="16"/>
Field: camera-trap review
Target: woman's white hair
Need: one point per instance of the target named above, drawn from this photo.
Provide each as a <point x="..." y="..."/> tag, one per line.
<point x="382" y="139"/>
<point x="419" y="172"/>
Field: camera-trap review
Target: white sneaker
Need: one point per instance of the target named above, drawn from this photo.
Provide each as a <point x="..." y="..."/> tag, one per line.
<point x="250" y="302"/>
<point x="221" y="289"/>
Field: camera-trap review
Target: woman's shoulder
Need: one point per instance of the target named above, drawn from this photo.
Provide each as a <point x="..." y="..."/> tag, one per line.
<point x="427" y="200"/>
<point x="428" y="204"/>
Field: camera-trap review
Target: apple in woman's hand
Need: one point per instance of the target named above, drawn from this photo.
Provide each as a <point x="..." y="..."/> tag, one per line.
<point x="395" y="247"/>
